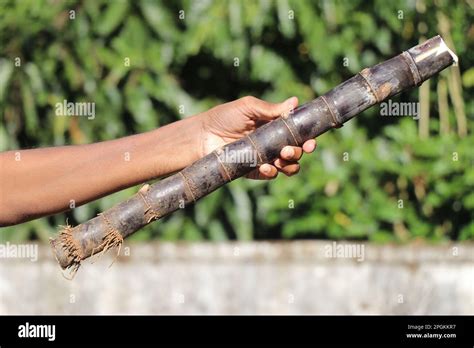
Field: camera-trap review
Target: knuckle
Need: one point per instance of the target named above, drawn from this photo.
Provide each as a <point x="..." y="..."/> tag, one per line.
<point x="248" y="99"/>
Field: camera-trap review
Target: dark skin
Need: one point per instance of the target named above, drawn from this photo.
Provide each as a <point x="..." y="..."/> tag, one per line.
<point x="42" y="182"/>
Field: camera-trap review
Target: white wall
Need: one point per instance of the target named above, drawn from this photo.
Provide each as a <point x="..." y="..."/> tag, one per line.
<point x="246" y="278"/>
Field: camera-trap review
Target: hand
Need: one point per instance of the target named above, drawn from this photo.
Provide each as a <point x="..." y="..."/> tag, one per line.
<point x="231" y="121"/>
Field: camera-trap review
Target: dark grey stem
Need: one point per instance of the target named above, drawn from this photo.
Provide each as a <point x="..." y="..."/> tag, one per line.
<point x="370" y="86"/>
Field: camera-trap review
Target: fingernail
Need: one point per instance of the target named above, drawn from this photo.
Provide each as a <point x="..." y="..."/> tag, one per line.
<point x="265" y="169"/>
<point x="289" y="152"/>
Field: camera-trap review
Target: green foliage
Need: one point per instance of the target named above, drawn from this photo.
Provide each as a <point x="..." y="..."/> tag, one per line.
<point x="352" y="187"/>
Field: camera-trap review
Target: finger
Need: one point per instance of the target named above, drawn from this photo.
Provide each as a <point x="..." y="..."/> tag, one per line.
<point x="291" y="153"/>
<point x="280" y="163"/>
<point x="267" y="171"/>
<point x="290" y="169"/>
<point x="261" y="173"/>
<point x="266" y="111"/>
<point x="309" y="146"/>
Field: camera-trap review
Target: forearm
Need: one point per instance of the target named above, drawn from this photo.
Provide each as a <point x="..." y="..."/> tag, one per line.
<point x="41" y="182"/>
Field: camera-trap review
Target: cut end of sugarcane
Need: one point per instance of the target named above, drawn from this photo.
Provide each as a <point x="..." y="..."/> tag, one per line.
<point x="444" y="48"/>
<point x="70" y="253"/>
<point x="432" y="50"/>
<point x="431" y="57"/>
<point x="66" y="252"/>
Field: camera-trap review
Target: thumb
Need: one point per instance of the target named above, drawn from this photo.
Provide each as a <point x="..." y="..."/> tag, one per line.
<point x="268" y="111"/>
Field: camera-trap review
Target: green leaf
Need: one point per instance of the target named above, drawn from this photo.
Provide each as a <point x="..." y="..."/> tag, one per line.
<point x="29" y="106"/>
<point x="159" y="18"/>
<point x="112" y="17"/>
<point x="468" y="78"/>
<point x="6" y="71"/>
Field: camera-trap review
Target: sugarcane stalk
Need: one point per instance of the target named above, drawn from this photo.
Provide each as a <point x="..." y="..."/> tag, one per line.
<point x="370" y="86"/>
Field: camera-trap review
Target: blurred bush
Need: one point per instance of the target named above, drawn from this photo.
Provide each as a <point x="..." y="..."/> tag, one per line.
<point x="378" y="178"/>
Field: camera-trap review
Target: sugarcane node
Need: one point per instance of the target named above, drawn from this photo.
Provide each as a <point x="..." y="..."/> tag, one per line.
<point x="187" y="187"/>
<point x="298" y="141"/>
<point x="113" y="238"/>
<point x="224" y="171"/>
<point x="149" y="212"/>
<point x="365" y="73"/>
<point x="415" y="74"/>
<point x="255" y="149"/>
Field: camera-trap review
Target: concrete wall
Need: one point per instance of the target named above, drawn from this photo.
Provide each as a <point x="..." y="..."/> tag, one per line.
<point x="307" y="277"/>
